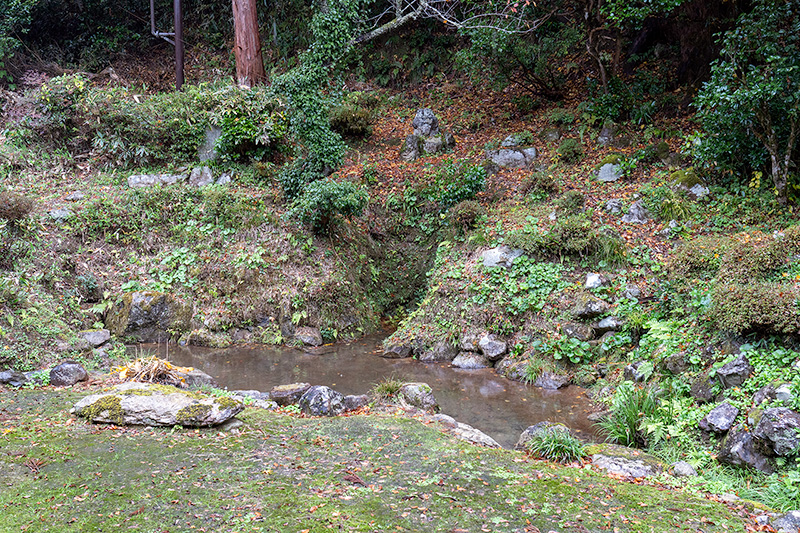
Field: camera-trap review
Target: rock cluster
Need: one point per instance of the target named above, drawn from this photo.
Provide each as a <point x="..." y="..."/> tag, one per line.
<point x="427" y="138"/>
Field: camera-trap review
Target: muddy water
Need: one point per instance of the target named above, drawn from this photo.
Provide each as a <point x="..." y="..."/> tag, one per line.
<point x="480" y="398"/>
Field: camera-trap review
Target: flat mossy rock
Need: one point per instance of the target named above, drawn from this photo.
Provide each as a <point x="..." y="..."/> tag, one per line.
<point x="149" y="316"/>
<point x="623" y="461"/>
<point x="148" y="404"/>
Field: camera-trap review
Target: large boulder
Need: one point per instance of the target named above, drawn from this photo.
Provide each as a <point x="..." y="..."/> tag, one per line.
<point x="427" y="137"/>
<point x="425" y="123"/>
<point x="95" y="337"/>
<point x="419" y="395"/>
<point x="502" y="256"/>
<point x="322" y="401"/>
<point x="289" y="394"/>
<point x="149" y="316"/>
<point x="441" y="352"/>
<point x="397" y="351"/>
<point x="140" y="181"/>
<point x="538" y="429"/>
<point x="588" y="307"/>
<point x="308" y="336"/>
<point x="623" y="461"/>
<point x="734" y="373"/>
<point x="609" y="173"/>
<point x="148" y="404"/>
<point x="471" y="361"/>
<point x="491" y="347"/>
<point x="787" y="523"/>
<point x="12" y="378"/>
<point x="637" y="214"/>
<point x="67" y="374"/>
<point x="739" y="449"/>
<point x="551" y="381"/>
<point x="779" y="428"/>
<point x="720" y="419"/>
<point x="582" y="332"/>
<point x="512" y="157"/>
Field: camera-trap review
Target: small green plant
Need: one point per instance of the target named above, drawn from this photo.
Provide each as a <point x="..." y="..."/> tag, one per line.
<point x="323" y="201"/>
<point x="556" y="443"/>
<point x="635" y="415"/>
<point x="570" y="150"/>
<point x="455" y="181"/>
<point x="539" y="185"/>
<point x="387" y="388"/>
<point x="466" y="214"/>
<point x="561" y="117"/>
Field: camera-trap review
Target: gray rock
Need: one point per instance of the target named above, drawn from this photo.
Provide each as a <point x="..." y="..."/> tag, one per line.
<point x="632" y="292"/>
<point x="96" y="337"/>
<point x="610" y="323"/>
<point x="60" y="215"/>
<point x="550" y="381"/>
<point x="468" y="342"/>
<point x="441" y="352"/>
<point x="12" y="378"/>
<point x="701" y="390"/>
<point x="537" y="429"/>
<point x="445" y="420"/>
<point x="699" y="192"/>
<point x="765" y="393"/>
<point x="637" y="214"/>
<point x="720" y="419"/>
<point x="433" y="145"/>
<point x="67" y="374"/>
<point x="739" y="449"/>
<point x="734" y="373"/>
<point x="155" y="405"/>
<point x="607" y="135"/>
<point x="195" y="378"/>
<point x="609" y="173"/>
<point x="425" y="123"/>
<point x="308" y="336"/>
<point x="683" y="469"/>
<point x="200" y="177"/>
<point x="253" y="394"/>
<point x="675" y="363"/>
<point x="137" y="181"/>
<point x="208" y="150"/>
<point x="784" y="393"/>
<point x="470" y="434"/>
<point x="288" y="394"/>
<point x="148" y="316"/>
<point x="412" y="148"/>
<point x="551" y="134"/>
<point x="633" y="372"/>
<point x="582" y="332"/>
<point x="787" y="523"/>
<point x="779" y="428"/>
<point x="353" y="402"/>
<point x="614" y="206"/>
<point x="512" y="158"/>
<point x="763" y="520"/>
<point x="419" y="395"/>
<point x="322" y="401"/>
<point x="471" y="361"/>
<point x="595" y="281"/>
<point x="397" y="351"/>
<point x="588" y="307"/>
<point x="492" y="347"/>
<point x="224" y="179"/>
<point x="630" y="464"/>
<point x="502" y="256"/>
<point x="76" y="196"/>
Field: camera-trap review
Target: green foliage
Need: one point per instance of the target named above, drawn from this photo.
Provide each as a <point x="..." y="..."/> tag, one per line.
<point x="455" y="181"/>
<point x="564" y="348"/>
<point x="666" y="202"/>
<point x="755" y="307"/>
<point x="323" y="201"/>
<point x="15" y="18"/>
<point x="519" y="289"/>
<point x="571" y="202"/>
<point x="561" y="117"/>
<point x="570" y="150"/>
<point x="556" y="443"/>
<point x="537" y="61"/>
<point x="624" y="12"/>
<point x="355" y="115"/>
<point x="632" y="410"/>
<point x="253" y="123"/>
<point x="538" y="185"/>
<point x="750" y="109"/>
<point x="466" y="214"/>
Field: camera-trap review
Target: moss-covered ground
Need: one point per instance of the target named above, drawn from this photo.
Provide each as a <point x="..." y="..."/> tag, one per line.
<point x="368" y="472"/>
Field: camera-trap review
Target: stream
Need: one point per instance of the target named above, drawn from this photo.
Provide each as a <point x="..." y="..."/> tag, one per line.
<point x="497" y="406"/>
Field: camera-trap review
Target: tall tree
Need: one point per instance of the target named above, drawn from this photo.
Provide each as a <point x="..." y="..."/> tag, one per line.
<point x="247" y="44"/>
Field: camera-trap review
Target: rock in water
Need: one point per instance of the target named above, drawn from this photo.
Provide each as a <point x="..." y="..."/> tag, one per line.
<point x="419" y="395"/>
<point x="148" y="404"/>
<point x="322" y="401"/>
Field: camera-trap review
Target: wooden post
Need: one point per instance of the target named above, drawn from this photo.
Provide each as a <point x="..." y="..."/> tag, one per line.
<point x="178" y="13"/>
<point x="247" y="44"/>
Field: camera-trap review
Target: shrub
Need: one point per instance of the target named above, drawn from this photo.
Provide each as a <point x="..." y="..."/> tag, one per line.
<point x="539" y="184"/>
<point x="755" y="307"/>
<point x="631" y="407"/>
<point x="387" y="388"/>
<point x="571" y="202"/>
<point x="749" y="107"/>
<point x="465" y="215"/>
<point x="570" y="150"/>
<point x="700" y="256"/>
<point x="354" y="116"/>
<point x="14" y="207"/>
<point x="556" y="443"/>
<point x="455" y="181"/>
<point x="323" y="201"/>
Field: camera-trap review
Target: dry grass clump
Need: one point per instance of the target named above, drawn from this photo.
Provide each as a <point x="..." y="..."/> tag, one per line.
<point x="14" y="207"/>
<point x="154" y="370"/>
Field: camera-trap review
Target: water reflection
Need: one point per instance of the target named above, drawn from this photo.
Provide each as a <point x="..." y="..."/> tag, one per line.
<point x="481" y="398"/>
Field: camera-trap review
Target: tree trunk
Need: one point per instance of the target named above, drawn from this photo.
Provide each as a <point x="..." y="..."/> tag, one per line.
<point x="247" y="44"/>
